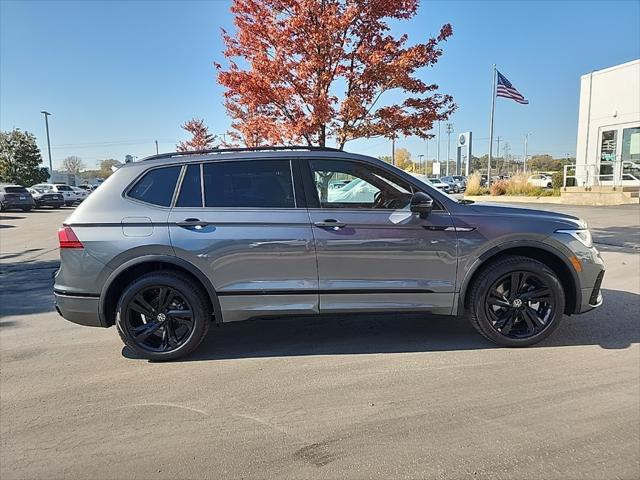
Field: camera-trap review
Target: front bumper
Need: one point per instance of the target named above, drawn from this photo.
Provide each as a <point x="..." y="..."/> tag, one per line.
<point x="82" y="310"/>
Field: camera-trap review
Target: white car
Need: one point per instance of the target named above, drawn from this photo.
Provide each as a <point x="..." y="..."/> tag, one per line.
<point x="81" y="194"/>
<point x="67" y="192"/>
<point x="433" y="181"/>
<point x="540" y="180"/>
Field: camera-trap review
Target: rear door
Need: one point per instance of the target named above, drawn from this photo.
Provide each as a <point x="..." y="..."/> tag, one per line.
<point x="373" y="253"/>
<point x="243" y="225"/>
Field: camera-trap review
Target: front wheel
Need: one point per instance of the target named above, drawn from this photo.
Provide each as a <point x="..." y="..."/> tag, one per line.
<point x="516" y="301"/>
<point x="163" y="316"/>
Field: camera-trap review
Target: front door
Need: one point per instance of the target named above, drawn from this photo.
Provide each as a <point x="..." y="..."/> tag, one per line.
<point x="241" y="223"/>
<point x="373" y="253"/>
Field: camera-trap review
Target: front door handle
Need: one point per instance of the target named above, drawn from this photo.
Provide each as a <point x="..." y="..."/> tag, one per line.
<point x="330" y="223"/>
<point x="192" y="222"/>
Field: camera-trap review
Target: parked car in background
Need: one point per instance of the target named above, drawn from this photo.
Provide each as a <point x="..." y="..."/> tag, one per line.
<point x="540" y="180"/>
<point x="439" y="184"/>
<point x="15" y="197"/>
<point x="87" y="188"/>
<point x="176" y="242"/>
<point x="46" y="198"/>
<point x="455" y="186"/>
<point x="66" y="191"/>
<point x="81" y="194"/>
<point x="337" y="184"/>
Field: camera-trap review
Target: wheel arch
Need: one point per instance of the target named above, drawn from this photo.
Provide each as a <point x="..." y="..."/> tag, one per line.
<point x="125" y="273"/>
<point x="543" y="253"/>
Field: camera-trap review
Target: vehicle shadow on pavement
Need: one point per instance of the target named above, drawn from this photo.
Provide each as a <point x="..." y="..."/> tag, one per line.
<point x="615" y="325"/>
<point x="26" y="288"/>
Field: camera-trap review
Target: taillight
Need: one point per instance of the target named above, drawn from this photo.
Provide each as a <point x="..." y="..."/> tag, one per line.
<point x="68" y="238"/>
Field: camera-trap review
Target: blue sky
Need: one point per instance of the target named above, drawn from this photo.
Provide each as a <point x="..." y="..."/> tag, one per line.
<point x="119" y="75"/>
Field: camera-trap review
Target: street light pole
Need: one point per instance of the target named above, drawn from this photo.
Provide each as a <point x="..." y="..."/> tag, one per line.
<point x="449" y="130"/>
<point x="46" y="122"/>
<point x="524" y="160"/>
<point x="420" y="157"/>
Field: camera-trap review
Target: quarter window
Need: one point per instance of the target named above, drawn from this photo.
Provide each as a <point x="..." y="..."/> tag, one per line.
<point x="156" y="186"/>
<point x="258" y="184"/>
<point x="191" y="189"/>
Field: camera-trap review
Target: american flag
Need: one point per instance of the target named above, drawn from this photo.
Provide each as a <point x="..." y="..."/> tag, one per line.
<point x="507" y="90"/>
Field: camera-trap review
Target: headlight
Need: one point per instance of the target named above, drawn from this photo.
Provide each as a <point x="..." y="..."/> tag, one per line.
<point x="583" y="236"/>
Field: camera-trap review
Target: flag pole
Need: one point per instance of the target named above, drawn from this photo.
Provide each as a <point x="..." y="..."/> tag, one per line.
<point x="493" y="108"/>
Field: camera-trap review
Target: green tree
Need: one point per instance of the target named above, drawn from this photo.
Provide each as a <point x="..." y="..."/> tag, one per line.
<point x="105" y="166"/>
<point x="20" y="159"/>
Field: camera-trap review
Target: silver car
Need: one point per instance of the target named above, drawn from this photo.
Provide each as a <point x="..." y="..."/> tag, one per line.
<point x="170" y="244"/>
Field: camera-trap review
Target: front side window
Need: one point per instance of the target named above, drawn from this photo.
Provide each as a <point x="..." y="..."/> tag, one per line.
<point x="156" y="186"/>
<point x="363" y="186"/>
<point x="249" y="183"/>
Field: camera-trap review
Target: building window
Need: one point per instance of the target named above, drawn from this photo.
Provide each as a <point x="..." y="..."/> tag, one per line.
<point x="608" y="146"/>
<point x="631" y="144"/>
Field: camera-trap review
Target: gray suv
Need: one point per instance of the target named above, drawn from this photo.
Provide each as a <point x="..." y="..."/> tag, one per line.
<point x="172" y="243"/>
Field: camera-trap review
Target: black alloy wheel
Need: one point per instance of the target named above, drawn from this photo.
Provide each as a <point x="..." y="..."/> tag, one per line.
<point x="515" y="301"/>
<point x="159" y="318"/>
<point x="163" y="315"/>
<point x="519" y="304"/>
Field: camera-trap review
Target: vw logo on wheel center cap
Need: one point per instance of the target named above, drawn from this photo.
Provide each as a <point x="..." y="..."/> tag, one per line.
<point x="161" y="317"/>
<point x="517" y="303"/>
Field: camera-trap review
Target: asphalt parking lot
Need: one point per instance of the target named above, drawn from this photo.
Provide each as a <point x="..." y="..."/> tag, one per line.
<point x="332" y="398"/>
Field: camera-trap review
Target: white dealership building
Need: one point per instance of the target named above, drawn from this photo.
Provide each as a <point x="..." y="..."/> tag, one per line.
<point x="608" y="148"/>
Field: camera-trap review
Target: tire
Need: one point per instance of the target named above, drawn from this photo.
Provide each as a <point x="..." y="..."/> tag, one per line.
<point x="549" y="185"/>
<point x="27" y="209"/>
<point x="160" y="332"/>
<point x="57" y="206"/>
<point x="497" y="314"/>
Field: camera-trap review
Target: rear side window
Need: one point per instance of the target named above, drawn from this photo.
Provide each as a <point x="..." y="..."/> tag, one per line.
<point x="191" y="188"/>
<point x="260" y="183"/>
<point x="156" y="186"/>
<point x="64" y="188"/>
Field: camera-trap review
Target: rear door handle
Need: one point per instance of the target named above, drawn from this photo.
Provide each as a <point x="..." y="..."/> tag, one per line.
<point x="330" y="223"/>
<point x="192" y="222"/>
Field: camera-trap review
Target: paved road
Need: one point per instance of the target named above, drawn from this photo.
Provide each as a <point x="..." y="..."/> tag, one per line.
<point x="337" y="398"/>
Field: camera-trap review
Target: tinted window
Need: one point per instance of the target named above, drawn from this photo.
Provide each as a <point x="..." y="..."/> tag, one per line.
<point x="261" y="183"/>
<point x="367" y="187"/>
<point x="191" y="190"/>
<point x="156" y="186"/>
<point x="15" y="190"/>
<point x="64" y="188"/>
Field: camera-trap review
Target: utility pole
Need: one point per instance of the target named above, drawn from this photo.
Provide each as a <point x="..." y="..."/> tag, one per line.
<point x="157" y="152"/>
<point x="393" y="149"/>
<point x="449" y="130"/>
<point x="46" y="122"/>
<point x="498" y="152"/>
<point x="438" y="146"/>
<point x="524" y="159"/>
<point x="426" y="164"/>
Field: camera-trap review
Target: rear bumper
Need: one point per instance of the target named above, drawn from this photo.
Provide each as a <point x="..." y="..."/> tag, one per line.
<point x="50" y="203"/>
<point x="82" y="310"/>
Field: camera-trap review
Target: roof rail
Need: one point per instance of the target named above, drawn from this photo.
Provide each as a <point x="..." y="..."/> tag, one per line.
<point x="240" y="149"/>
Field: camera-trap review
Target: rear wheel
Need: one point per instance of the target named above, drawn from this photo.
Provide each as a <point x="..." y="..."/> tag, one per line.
<point x="516" y="301"/>
<point x="163" y="316"/>
<point x="27" y="209"/>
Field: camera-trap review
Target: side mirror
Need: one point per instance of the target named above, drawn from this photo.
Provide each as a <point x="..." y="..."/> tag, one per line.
<point x="422" y="204"/>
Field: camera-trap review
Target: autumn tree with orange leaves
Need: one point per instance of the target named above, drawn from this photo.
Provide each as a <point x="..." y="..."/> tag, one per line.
<point x="200" y="139"/>
<point x="307" y="70"/>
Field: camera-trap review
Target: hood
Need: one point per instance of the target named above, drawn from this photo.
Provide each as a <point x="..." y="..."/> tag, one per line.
<point x="562" y="219"/>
